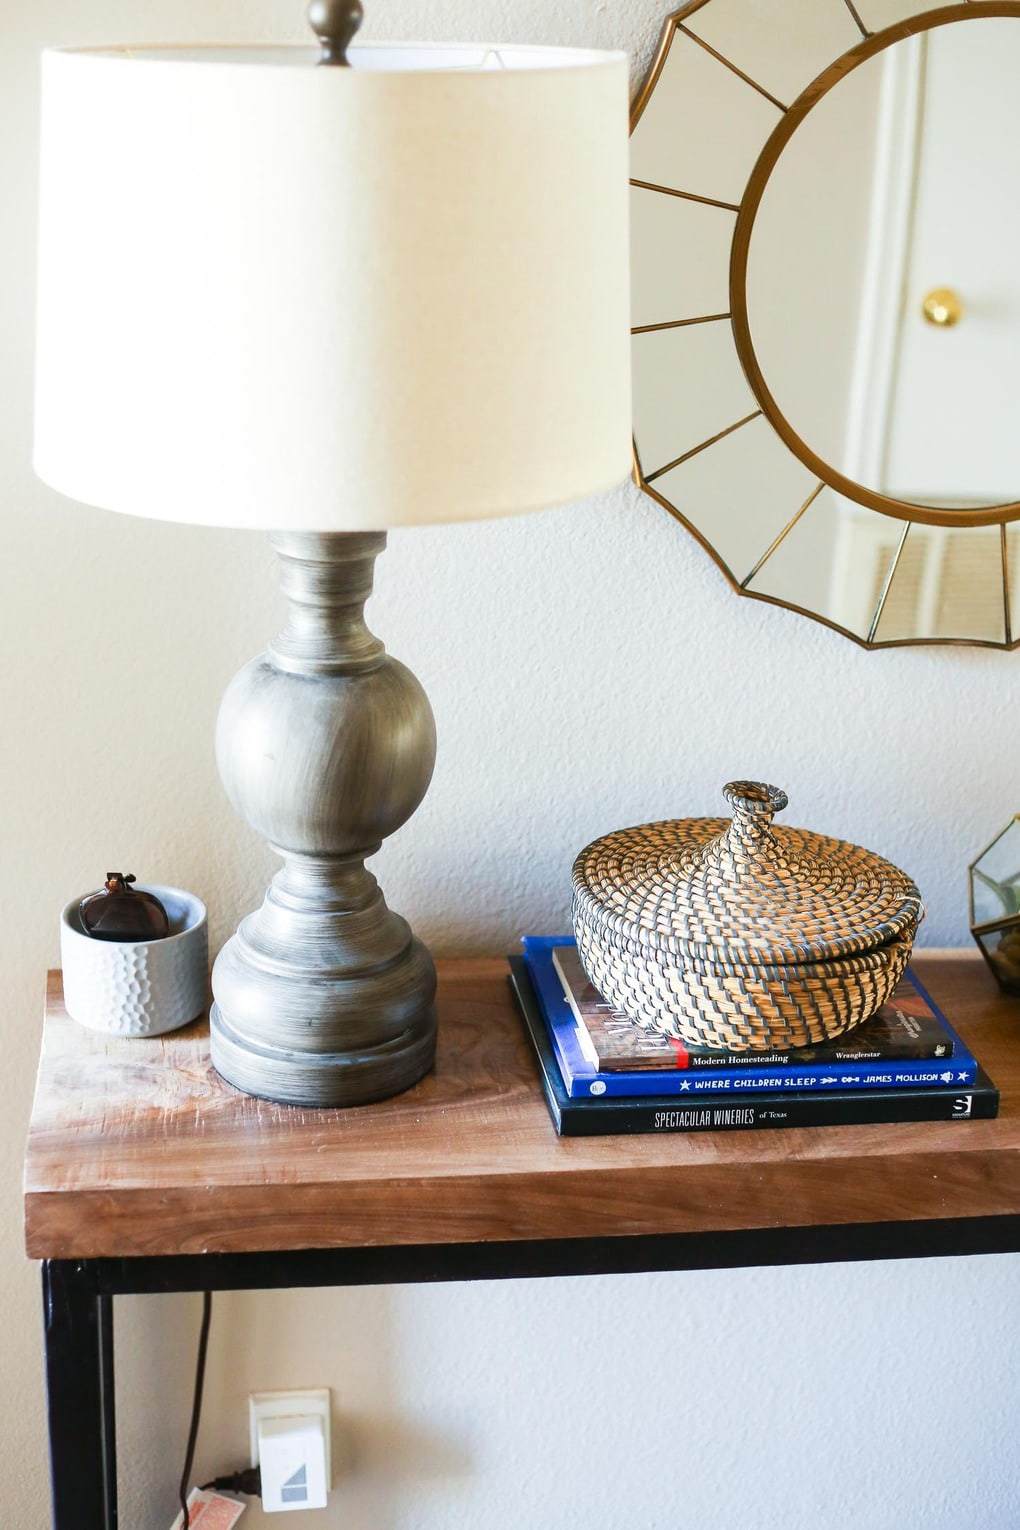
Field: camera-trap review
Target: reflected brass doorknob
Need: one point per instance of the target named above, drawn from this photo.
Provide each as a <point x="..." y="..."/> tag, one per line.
<point x="942" y="307"/>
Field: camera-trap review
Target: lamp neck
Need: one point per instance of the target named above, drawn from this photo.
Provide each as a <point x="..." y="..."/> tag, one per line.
<point x="326" y="578"/>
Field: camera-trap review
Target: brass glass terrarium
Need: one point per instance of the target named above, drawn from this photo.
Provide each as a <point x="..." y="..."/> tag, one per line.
<point x="995" y="905"/>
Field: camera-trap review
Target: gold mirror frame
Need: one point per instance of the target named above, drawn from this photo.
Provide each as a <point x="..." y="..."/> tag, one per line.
<point x="871" y="44"/>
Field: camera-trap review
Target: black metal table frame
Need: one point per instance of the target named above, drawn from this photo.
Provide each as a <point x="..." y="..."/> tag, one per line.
<point x="78" y="1304"/>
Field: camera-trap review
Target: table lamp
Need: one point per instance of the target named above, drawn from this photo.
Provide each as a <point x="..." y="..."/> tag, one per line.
<point x="327" y="292"/>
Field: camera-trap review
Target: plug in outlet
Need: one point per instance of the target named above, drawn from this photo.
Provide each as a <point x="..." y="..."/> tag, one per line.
<point x="290" y="1443"/>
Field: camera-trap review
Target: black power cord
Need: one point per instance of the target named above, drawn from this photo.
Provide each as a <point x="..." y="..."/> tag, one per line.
<point x="248" y="1481"/>
<point x="196" y="1406"/>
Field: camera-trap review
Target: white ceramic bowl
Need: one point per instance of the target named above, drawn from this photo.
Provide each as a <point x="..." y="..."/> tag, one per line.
<point x="138" y="987"/>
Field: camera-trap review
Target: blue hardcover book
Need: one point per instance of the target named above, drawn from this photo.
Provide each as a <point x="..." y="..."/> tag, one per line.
<point x="732" y="1076"/>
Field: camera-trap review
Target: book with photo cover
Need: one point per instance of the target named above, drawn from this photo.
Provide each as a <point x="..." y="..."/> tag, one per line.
<point x="608" y="1115"/>
<point x="908" y="1025"/>
<point x="743" y="1076"/>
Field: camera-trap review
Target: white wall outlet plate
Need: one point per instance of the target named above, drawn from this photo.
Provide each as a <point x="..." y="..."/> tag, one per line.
<point x="291" y="1443"/>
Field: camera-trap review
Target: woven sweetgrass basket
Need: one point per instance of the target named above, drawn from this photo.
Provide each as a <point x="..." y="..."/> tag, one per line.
<point x="742" y="934"/>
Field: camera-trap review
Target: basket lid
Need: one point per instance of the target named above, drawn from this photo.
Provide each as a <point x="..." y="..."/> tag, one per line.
<point x="747" y="890"/>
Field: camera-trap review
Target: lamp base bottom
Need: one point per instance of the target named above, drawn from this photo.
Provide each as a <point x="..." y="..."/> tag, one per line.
<point x="323" y="996"/>
<point x="321" y="1079"/>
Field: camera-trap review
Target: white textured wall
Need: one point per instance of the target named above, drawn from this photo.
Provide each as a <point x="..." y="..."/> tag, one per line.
<point x="588" y="668"/>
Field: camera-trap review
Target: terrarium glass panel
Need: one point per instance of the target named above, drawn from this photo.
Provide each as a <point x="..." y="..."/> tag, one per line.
<point x="995" y="878"/>
<point x="1001" y="950"/>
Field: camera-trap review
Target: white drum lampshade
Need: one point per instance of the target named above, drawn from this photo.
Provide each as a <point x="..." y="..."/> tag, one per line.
<point x="325" y="297"/>
<point x="275" y="295"/>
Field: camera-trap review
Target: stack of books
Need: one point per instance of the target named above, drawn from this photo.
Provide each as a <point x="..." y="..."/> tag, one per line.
<point x="602" y="1074"/>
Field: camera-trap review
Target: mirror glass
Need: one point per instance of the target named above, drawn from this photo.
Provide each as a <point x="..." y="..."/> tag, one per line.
<point x="836" y="425"/>
<point x="892" y="188"/>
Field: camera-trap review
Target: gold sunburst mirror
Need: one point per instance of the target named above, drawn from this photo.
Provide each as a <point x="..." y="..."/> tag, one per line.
<point x="826" y="307"/>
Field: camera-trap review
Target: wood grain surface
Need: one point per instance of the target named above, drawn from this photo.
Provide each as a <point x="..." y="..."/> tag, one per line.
<point x="137" y="1147"/>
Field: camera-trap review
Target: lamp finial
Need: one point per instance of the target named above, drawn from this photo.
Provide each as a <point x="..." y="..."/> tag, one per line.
<point x="334" y="23"/>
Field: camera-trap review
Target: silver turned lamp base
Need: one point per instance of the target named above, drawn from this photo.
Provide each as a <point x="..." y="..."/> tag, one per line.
<point x="325" y="746"/>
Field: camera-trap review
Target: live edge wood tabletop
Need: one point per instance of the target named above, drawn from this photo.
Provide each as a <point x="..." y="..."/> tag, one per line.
<point x="136" y="1147"/>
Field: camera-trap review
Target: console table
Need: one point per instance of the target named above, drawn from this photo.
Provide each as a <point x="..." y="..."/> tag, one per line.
<point x="145" y="1172"/>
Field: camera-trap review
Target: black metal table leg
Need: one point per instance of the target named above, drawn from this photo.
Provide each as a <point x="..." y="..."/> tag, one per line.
<point x="79" y="1378"/>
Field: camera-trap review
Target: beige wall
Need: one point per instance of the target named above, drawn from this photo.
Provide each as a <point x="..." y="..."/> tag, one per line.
<point x="588" y="668"/>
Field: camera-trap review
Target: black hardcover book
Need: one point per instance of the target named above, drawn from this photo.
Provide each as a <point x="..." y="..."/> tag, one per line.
<point x="615" y="1114"/>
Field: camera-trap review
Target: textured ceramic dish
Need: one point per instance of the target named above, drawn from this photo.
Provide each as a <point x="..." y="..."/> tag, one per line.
<point x="138" y="988"/>
<point x="742" y="934"/>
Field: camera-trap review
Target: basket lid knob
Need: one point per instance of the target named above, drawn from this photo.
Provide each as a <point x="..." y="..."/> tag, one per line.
<point x="755" y="799"/>
<point x="749" y="846"/>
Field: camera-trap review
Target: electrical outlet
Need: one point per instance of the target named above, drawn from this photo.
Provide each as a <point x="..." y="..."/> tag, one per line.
<point x="290" y="1443"/>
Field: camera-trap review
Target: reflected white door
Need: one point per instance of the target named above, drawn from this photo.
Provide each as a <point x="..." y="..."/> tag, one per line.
<point x="952" y="431"/>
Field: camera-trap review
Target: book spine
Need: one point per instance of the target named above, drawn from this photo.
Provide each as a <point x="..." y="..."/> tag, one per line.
<point x="740" y="1083"/>
<point x="606" y="1118"/>
<point x="827" y="1054"/>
